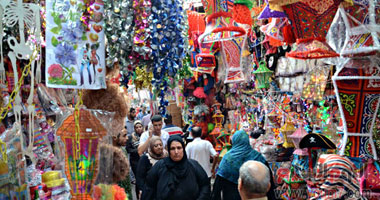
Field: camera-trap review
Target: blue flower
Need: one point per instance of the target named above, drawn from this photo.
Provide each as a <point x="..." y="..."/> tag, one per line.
<point x="72" y="31"/>
<point x="65" y="54"/>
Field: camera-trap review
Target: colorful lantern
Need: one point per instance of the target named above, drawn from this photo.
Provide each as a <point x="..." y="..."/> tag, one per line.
<point x="310" y="20"/>
<point x="296" y="137"/>
<point x="262" y="75"/>
<point x="81" y="160"/>
<point x="287" y="129"/>
<point x="357" y="88"/>
<point x="363" y="28"/>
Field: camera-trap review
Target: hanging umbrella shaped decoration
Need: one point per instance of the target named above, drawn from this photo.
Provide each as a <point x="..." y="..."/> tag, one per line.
<point x="310" y="21"/>
<point x="262" y="75"/>
<point x="81" y="157"/>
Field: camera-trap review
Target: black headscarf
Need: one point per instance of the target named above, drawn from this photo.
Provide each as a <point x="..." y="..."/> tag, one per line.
<point x="178" y="169"/>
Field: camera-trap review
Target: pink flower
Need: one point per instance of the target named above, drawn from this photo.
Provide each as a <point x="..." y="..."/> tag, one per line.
<point x="55" y="71"/>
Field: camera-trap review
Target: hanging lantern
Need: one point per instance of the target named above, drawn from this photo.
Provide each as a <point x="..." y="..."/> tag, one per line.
<point x="357" y="89"/>
<point x="287" y="129"/>
<point x="81" y="161"/>
<point x="262" y="75"/>
<point x="296" y="137"/>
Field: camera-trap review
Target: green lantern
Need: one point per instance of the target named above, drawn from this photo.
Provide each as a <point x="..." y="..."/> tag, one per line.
<point x="262" y="75"/>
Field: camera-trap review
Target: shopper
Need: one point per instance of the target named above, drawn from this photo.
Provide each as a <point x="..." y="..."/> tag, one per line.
<point x="202" y="151"/>
<point x="170" y="128"/>
<point x="142" y="113"/>
<point x="146" y="120"/>
<point x="155" y="153"/>
<point x="254" y="181"/>
<point x="228" y="172"/>
<point x="129" y="122"/>
<point x="132" y="145"/>
<point x="176" y="177"/>
<point x="155" y="129"/>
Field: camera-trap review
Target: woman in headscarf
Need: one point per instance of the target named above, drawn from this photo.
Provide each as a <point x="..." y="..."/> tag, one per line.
<point x="226" y="181"/>
<point x="155" y="153"/>
<point x="176" y="177"/>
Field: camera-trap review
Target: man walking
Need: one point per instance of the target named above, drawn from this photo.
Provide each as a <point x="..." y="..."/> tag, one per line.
<point x="170" y="128"/>
<point x="201" y="151"/>
<point x="155" y="129"/>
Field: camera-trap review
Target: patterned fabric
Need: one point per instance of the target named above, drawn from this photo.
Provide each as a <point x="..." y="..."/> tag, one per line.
<point x="335" y="178"/>
<point x="359" y="99"/>
<point x="370" y="179"/>
<point x="232" y="54"/>
<point x="360" y="29"/>
<point x="311" y="18"/>
<point x="312" y="49"/>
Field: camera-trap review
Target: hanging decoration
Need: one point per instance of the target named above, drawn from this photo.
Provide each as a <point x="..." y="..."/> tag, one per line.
<point x="310" y="21"/>
<point x="262" y="75"/>
<point x="269" y="13"/>
<point x="232" y="52"/>
<point x="363" y="28"/>
<point x="143" y="79"/>
<point x="287" y="129"/>
<point x="315" y="84"/>
<point x="167" y="45"/>
<point x="119" y="32"/>
<point x="357" y="85"/>
<point x="75" y="56"/>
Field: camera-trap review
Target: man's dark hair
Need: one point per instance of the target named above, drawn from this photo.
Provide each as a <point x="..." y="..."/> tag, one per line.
<point x="168" y="120"/>
<point x="196" y="131"/>
<point x="156" y="118"/>
<point x="132" y="109"/>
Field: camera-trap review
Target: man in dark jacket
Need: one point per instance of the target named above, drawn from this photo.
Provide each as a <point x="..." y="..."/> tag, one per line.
<point x="176" y="177"/>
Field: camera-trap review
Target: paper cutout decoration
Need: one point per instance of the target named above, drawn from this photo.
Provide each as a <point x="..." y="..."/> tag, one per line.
<point x="75" y="56"/>
<point x="357" y="87"/>
<point x="310" y="20"/>
<point x="362" y="21"/>
<point x="81" y="164"/>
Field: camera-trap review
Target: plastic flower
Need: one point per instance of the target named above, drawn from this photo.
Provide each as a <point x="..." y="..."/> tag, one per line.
<point x="72" y="31"/>
<point x="55" y="71"/>
<point x="65" y="54"/>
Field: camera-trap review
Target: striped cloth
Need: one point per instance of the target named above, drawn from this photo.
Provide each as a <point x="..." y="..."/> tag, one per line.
<point x="173" y="130"/>
<point x="336" y="178"/>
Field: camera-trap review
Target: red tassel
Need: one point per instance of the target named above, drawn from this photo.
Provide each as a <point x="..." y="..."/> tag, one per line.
<point x="289" y="37"/>
<point x="242" y="14"/>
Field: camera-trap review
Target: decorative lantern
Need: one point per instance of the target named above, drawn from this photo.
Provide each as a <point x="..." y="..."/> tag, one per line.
<point x="287" y="129"/>
<point x="357" y="88"/>
<point x="218" y="120"/>
<point x="81" y="159"/>
<point x="262" y="75"/>
<point x="296" y="137"/>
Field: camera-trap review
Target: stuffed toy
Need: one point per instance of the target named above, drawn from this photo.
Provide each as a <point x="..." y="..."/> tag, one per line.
<point x="109" y="99"/>
<point x="112" y="160"/>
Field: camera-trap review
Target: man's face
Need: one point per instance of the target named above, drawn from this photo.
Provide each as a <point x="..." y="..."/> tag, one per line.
<point x="122" y="140"/>
<point x="157" y="127"/>
<point x="176" y="151"/>
<point x="132" y="114"/>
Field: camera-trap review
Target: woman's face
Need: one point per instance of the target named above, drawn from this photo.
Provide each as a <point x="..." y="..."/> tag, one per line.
<point x="176" y="151"/>
<point x="158" y="147"/>
<point x="139" y="128"/>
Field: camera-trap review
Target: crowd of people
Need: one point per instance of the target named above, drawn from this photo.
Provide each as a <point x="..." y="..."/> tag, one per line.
<point x="165" y="165"/>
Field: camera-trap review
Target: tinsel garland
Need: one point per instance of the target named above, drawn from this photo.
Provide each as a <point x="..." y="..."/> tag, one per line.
<point x="119" y="32"/>
<point x="142" y="79"/>
<point x="167" y="45"/>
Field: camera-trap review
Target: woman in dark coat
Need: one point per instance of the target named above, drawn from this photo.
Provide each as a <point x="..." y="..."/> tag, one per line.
<point x="155" y="153"/>
<point x="176" y="177"/>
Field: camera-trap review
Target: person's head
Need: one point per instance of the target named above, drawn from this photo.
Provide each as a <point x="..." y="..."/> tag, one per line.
<point x="168" y="120"/>
<point x="139" y="129"/>
<point x="254" y="180"/>
<point x="240" y="139"/>
<point x="120" y="139"/>
<point x="196" y="132"/>
<point x="132" y="113"/>
<point x="176" y="148"/>
<point x="156" y="146"/>
<point x="157" y="124"/>
<point x="143" y="109"/>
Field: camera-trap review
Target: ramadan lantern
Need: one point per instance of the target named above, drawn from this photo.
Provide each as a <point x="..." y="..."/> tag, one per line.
<point x="262" y="75"/>
<point x="287" y="129"/>
<point x="296" y="137"/>
<point x="357" y="88"/>
<point x="81" y="157"/>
